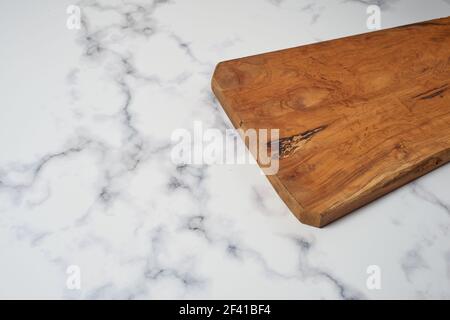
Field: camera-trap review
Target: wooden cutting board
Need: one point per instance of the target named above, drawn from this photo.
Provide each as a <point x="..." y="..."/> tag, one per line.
<point x="358" y="116"/>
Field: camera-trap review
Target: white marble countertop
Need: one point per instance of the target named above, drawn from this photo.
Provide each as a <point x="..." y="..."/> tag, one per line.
<point x="86" y="179"/>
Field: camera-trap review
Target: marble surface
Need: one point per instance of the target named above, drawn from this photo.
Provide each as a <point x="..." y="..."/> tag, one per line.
<point x="86" y="178"/>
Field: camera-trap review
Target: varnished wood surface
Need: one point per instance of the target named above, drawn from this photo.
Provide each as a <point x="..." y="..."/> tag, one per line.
<point x="358" y="116"/>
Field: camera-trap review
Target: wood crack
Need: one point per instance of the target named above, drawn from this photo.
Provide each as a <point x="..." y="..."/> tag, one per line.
<point x="289" y="145"/>
<point x="429" y="94"/>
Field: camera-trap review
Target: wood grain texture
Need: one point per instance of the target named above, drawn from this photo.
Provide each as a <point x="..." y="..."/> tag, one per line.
<point x="358" y="116"/>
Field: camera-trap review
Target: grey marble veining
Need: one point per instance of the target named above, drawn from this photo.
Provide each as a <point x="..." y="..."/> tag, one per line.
<point x="86" y="178"/>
